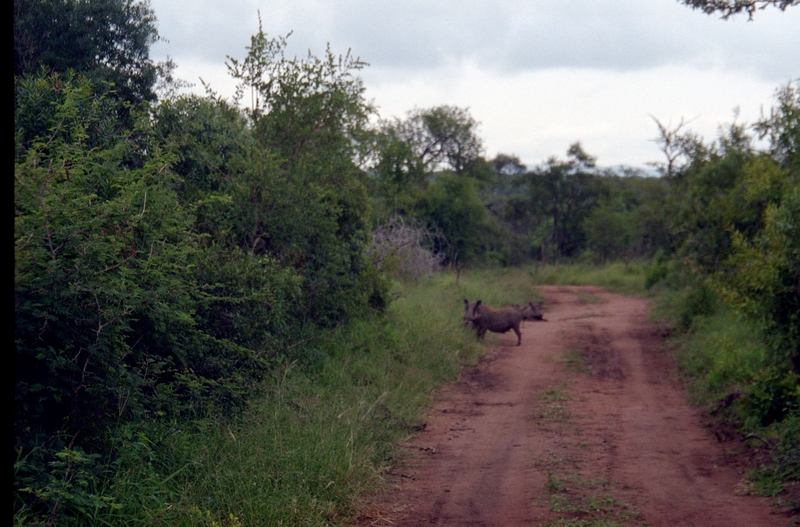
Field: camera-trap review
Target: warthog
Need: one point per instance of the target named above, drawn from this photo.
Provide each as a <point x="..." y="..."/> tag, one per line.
<point x="532" y="311"/>
<point x="484" y="318"/>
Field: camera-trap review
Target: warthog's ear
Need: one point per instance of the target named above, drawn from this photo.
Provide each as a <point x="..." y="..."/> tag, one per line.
<point x="466" y="302"/>
<point x="477" y="303"/>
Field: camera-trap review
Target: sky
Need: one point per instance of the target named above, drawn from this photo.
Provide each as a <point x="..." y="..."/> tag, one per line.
<point x="537" y="75"/>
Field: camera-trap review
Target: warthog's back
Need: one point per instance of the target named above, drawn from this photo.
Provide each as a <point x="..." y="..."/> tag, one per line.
<point x="485" y="318"/>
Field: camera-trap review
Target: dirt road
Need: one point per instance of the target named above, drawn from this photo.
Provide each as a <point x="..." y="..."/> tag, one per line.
<point x="583" y="424"/>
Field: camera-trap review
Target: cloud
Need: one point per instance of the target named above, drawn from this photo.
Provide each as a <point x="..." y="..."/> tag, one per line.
<point x="515" y="35"/>
<point x="538" y="74"/>
<point x="537" y="114"/>
<point x="510" y="36"/>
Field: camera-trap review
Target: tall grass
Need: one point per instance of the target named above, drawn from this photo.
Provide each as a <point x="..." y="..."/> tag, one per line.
<point x="617" y="277"/>
<point x="328" y="426"/>
<point x="720" y="355"/>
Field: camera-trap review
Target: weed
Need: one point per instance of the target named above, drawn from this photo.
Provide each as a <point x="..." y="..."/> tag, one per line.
<point x="555" y="394"/>
<point x="573" y="361"/>
<point x="589" y="299"/>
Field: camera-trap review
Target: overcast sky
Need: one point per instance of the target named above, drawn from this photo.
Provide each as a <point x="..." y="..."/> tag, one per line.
<point x="537" y="75"/>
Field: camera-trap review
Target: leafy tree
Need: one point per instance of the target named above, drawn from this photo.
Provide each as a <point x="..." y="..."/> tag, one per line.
<point x="247" y="298"/>
<point x="452" y="207"/>
<point x="103" y="307"/>
<point x="107" y="40"/>
<point x="781" y="127"/>
<point x="397" y="177"/>
<point x="496" y="190"/>
<point x="728" y="8"/>
<point x="300" y="197"/>
<point x="507" y="167"/>
<point x="761" y="276"/>
<point x="564" y="192"/>
<point x="735" y="211"/>
<point x="631" y="219"/>
<point x="443" y="137"/>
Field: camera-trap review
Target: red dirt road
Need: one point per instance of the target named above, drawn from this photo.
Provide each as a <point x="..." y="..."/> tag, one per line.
<point x="583" y="424"/>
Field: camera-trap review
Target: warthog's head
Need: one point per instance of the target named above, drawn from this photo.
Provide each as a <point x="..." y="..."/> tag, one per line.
<point x="532" y="311"/>
<point x="471" y="313"/>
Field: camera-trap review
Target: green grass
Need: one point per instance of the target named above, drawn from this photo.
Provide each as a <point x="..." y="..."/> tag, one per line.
<point x="325" y="434"/>
<point x="720" y="356"/>
<point x="616" y="277"/>
<point x="327" y="427"/>
<point x="495" y="287"/>
<point x="573" y="360"/>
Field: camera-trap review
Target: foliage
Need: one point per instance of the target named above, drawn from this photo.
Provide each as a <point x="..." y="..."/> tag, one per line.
<point x="162" y="269"/>
<point x="452" y="206"/>
<point x="728" y="8"/>
<point x="106" y="40"/>
<point x="397" y="177"/>
<point x="761" y="277"/>
<point x="781" y="127"/>
<point x="735" y="249"/>
<point x="103" y="312"/>
<point x="175" y="262"/>
<point x="442" y="138"/>
<point x="629" y="220"/>
<point x="565" y="192"/>
<point x="302" y="199"/>
<point x="626" y="279"/>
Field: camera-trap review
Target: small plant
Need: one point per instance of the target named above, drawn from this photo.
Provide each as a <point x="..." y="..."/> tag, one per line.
<point x="573" y="361"/>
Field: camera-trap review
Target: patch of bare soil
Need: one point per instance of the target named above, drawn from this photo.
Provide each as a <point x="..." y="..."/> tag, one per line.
<point x="583" y="424"/>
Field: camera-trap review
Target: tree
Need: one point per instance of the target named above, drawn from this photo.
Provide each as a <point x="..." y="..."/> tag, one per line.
<point x="761" y="276"/>
<point x="107" y="40"/>
<point x="441" y="137"/>
<point x="103" y="295"/>
<point x="565" y="192"/>
<point x="728" y="8"/>
<point x="507" y="167"/>
<point x="782" y="127"/>
<point x="451" y="206"/>
<point x="299" y="196"/>
<point x="632" y="218"/>
<point x="678" y="146"/>
<point x="397" y="177"/>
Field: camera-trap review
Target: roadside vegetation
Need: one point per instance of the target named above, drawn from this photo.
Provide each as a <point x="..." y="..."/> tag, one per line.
<point x="230" y="310"/>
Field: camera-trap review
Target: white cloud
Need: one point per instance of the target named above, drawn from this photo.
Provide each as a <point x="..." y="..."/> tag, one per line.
<point x="538" y="114"/>
<point x="538" y="75"/>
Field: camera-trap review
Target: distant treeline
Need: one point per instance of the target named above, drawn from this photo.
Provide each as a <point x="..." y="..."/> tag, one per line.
<point x="171" y="249"/>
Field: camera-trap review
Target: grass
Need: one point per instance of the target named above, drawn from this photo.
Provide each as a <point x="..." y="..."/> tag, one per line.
<point x="720" y="356"/>
<point x="573" y="360"/>
<point x="496" y="287"/>
<point x="552" y="404"/>
<point x="327" y="429"/>
<point x="325" y="433"/>
<point x="616" y="277"/>
<point x="569" y="490"/>
<point x="589" y="299"/>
